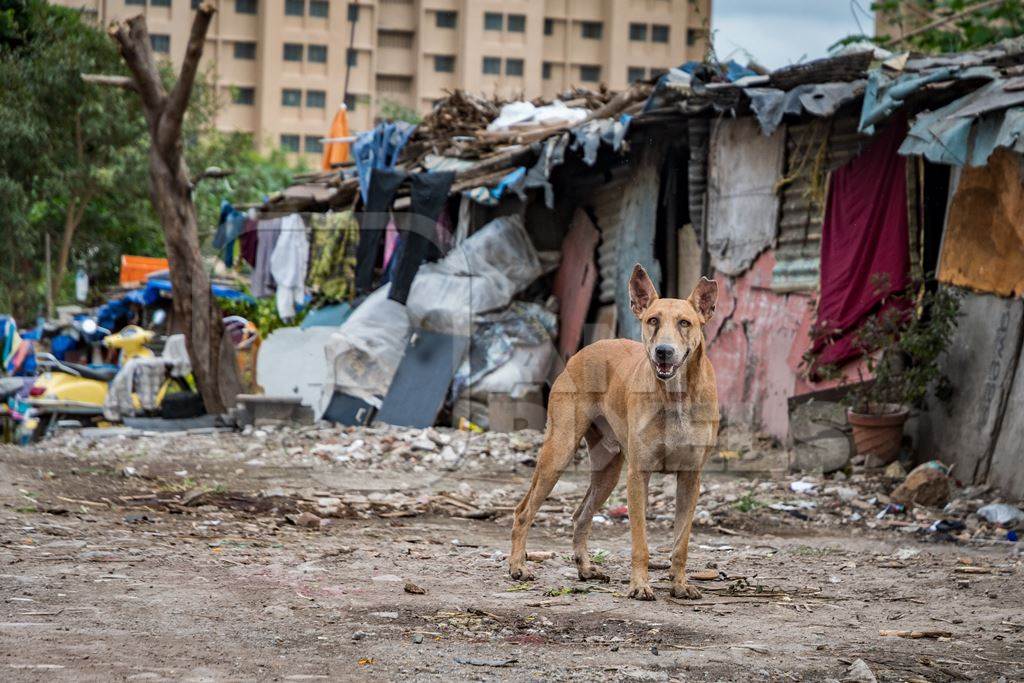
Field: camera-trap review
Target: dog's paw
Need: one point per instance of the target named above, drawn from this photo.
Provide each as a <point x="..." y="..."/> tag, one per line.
<point x="641" y="591"/>
<point x="592" y="574"/>
<point x="685" y="591"/>
<point x="521" y="573"/>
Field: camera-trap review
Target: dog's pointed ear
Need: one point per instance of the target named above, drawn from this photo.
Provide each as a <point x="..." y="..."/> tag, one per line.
<point x="704" y="297"/>
<point x="641" y="290"/>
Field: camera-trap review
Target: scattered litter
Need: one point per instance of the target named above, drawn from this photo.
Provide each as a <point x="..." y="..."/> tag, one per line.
<point x="1001" y="514"/>
<point x="806" y="487"/>
<point x="885" y="633"/>
<point x="485" y="662"/>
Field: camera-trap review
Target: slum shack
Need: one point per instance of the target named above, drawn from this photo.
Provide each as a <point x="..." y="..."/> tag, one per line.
<point x="456" y="264"/>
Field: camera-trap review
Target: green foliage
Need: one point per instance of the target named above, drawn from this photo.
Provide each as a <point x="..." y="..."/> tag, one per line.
<point x="64" y="143"/>
<point x="263" y="314"/>
<point x="67" y="143"/>
<point x="990" y="24"/>
<point x="901" y="346"/>
<point x="747" y="502"/>
<point x="391" y="110"/>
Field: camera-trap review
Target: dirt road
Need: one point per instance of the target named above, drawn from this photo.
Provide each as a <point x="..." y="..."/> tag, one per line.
<point x="188" y="557"/>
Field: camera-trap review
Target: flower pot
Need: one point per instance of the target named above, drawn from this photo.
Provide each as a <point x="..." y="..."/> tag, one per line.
<point x="878" y="436"/>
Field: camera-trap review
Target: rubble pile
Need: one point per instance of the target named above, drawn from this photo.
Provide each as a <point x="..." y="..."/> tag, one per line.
<point x="445" y="471"/>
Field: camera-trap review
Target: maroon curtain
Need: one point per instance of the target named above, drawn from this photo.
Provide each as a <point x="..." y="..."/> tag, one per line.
<point x="864" y="236"/>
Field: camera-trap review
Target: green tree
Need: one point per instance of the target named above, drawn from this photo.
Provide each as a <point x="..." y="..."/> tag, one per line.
<point x="69" y="152"/>
<point x="950" y="25"/>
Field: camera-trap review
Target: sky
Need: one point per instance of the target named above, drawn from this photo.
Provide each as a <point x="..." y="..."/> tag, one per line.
<point x="776" y="33"/>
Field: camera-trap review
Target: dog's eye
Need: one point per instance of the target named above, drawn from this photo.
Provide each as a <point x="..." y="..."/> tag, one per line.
<point x="653" y="322"/>
<point x="684" y="323"/>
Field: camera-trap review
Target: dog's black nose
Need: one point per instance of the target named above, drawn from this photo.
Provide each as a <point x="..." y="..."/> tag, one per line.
<point x="664" y="352"/>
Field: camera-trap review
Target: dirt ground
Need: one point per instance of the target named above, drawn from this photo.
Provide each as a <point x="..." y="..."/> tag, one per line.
<point x="188" y="557"/>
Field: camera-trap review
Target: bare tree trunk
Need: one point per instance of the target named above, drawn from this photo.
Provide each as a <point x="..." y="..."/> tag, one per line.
<point x="195" y="309"/>
<point x="72" y="216"/>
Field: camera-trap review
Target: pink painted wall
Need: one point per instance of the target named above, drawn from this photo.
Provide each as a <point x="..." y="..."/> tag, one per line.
<point x="756" y="341"/>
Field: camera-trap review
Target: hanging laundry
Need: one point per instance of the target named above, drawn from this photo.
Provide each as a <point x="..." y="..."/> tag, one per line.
<point x="429" y="194"/>
<point x="267" y="234"/>
<point x="332" y="270"/>
<point x="232" y="222"/>
<point x="288" y="265"/>
<point x="379" y="149"/>
<point x="249" y="241"/>
<point x="384" y="183"/>
<point x="864" y="243"/>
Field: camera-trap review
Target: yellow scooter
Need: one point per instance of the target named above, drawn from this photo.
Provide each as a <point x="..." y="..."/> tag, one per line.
<point x="74" y="390"/>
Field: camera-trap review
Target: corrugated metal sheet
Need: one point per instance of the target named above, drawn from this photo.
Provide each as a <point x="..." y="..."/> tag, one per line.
<point x="812" y="150"/>
<point x="698" y="133"/>
<point x="606" y="206"/>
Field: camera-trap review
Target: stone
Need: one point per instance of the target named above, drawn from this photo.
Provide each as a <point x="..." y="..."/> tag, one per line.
<point x="927" y="484"/>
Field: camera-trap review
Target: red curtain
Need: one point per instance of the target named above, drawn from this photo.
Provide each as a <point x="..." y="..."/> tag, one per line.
<point x="864" y="243"/>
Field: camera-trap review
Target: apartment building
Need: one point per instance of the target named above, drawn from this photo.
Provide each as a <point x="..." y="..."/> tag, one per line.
<point x="282" y="65"/>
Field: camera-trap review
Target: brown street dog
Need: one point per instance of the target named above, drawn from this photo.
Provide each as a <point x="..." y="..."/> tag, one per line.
<point x="652" y="404"/>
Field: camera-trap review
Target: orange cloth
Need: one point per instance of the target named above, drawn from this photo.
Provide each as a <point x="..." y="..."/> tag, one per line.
<point x="337" y="152"/>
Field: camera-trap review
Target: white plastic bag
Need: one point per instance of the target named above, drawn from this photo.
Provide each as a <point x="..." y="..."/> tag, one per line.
<point x="480" y="275"/>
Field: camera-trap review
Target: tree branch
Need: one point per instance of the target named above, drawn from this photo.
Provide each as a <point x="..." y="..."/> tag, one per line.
<point x="104" y="79"/>
<point x="133" y="40"/>
<point x="946" y="20"/>
<point x="177" y="101"/>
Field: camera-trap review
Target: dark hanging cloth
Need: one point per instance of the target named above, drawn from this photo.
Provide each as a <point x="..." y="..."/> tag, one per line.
<point x="864" y="243"/>
<point x="429" y="194"/>
<point x="250" y="240"/>
<point x="384" y="183"/>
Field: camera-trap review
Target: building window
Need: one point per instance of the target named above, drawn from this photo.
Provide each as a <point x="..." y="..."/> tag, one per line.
<point x="549" y="27"/>
<point x="638" y="32"/>
<point x="635" y="73"/>
<point x="592" y="29"/>
<point x="693" y="36"/>
<point x="658" y="73"/>
<point x="659" y="33"/>
<point x="245" y="6"/>
<point x="291" y="97"/>
<point x="317" y="99"/>
<point x="135" y="2"/>
<point x="353" y="12"/>
<point x="492" y="66"/>
<point x="352" y="57"/>
<point x="493" y="21"/>
<point x="545" y="71"/>
<point x="513" y="67"/>
<point x="196" y="4"/>
<point x="446" y="19"/>
<point x="289" y="142"/>
<point x="245" y="50"/>
<point x="160" y="3"/>
<point x="320" y="8"/>
<point x="293" y="52"/>
<point x="313" y="145"/>
<point x="160" y="42"/>
<point x="350" y="102"/>
<point x="243" y="95"/>
<point x="517" y="23"/>
<point x="316" y="54"/>
<point x="444" y="64"/>
<point x="590" y="73"/>
<point x="294" y="8"/>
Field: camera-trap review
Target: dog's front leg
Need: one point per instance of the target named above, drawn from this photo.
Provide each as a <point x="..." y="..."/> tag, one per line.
<point x="636" y="502"/>
<point x="687" y="490"/>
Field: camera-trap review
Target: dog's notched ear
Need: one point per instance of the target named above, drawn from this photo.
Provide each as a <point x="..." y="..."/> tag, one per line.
<point x="641" y="290"/>
<point x="704" y="297"/>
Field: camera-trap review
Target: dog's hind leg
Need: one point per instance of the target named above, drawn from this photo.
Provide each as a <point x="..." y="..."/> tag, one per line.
<point x="606" y="461"/>
<point x="567" y="423"/>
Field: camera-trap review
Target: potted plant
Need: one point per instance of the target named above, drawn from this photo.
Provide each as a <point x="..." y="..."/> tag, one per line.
<point x="900" y="346"/>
